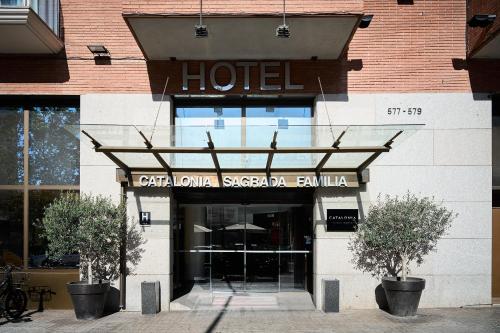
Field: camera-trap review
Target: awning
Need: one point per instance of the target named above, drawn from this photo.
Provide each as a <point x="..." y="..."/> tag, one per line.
<point x="237" y="36"/>
<point x="292" y="152"/>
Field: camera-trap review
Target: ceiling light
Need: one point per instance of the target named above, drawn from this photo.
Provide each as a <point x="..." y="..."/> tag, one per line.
<point x="98" y="50"/>
<point x="365" y="21"/>
<point x="283" y="31"/>
<point x="481" y="20"/>
<point x="201" y="30"/>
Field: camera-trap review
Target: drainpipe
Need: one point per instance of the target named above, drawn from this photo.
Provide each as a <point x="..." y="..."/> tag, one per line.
<point x="123" y="248"/>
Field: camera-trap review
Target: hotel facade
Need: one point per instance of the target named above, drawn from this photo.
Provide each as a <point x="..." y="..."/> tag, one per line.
<point x="238" y="132"/>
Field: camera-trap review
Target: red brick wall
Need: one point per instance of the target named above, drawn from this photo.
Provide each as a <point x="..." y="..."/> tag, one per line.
<point x="242" y="6"/>
<point x="476" y="36"/>
<point x="407" y="48"/>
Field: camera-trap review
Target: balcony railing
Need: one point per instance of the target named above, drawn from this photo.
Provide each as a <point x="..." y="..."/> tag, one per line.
<point x="48" y="10"/>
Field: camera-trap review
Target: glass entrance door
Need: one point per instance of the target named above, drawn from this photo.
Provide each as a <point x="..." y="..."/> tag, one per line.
<point x="245" y="248"/>
<point x="262" y="246"/>
<point x="228" y="247"/>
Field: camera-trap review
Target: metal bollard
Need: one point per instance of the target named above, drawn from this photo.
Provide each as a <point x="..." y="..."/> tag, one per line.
<point x="150" y="297"/>
<point x="331" y="292"/>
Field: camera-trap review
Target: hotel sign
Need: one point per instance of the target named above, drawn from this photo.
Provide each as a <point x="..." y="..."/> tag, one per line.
<point x="245" y="181"/>
<point x="273" y="76"/>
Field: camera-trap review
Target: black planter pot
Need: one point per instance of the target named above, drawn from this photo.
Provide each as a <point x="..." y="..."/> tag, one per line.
<point x="403" y="296"/>
<point x="88" y="299"/>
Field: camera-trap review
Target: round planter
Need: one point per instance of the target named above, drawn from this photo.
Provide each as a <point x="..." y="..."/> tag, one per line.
<point x="403" y="296"/>
<point x="88" y="299"/>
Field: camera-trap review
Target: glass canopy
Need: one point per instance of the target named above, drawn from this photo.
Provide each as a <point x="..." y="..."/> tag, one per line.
<point x="233" y="148"/>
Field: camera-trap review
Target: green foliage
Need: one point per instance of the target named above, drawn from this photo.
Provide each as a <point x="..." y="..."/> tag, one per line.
<point x="94" y="228"/>
<point x="397" y="231"/>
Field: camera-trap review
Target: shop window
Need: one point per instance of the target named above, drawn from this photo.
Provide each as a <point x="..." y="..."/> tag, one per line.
<point x="11" y="147"/>
<point x="11" y="228"/>
<point x="38" y="249"/>
<point x="53" y="149"/>
<point x="44" y="131"/>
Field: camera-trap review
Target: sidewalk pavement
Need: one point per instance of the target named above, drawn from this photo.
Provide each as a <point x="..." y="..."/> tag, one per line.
<point x="449" y="320"/>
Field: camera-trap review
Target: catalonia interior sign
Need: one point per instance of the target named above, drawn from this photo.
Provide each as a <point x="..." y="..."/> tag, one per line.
<point x="341" y="219"/>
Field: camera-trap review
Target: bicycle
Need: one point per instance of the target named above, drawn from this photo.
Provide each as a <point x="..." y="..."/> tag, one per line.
<point x="13" y="299"/>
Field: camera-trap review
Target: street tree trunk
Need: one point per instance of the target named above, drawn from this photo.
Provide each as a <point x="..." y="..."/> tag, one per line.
<point x="89" y="272"/>
<point x="404" y="268"/>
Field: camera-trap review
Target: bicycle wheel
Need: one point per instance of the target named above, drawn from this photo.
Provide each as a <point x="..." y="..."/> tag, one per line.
<point x="15" y="303"/>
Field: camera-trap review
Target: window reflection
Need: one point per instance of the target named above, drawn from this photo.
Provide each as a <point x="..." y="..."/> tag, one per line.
<point x="11" y="228"/>
<point x="11" y="145"/>
<point x="38" y="249"/>
<point x="54" y="152"/>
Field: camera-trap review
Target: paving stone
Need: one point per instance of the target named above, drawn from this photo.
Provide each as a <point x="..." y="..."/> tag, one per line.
<point x="466" y="320"/>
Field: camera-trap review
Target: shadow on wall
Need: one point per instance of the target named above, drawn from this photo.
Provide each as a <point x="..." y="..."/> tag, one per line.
<point x="332" y="193"/>
<point x="37" y="69"/>
<point x="379" y="292"/>
<point x="483" y="75"/>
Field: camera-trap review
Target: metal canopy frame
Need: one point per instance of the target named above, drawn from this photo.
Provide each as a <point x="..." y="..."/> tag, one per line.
<point x="273" y="149"/>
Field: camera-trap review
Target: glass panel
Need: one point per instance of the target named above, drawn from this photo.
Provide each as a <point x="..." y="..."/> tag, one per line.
<point x="248" y="161"/>
<point x="292" y="123"/>
<point x="297" y="160"/>
<point x="295" y="234"/>
<point x="263" y="234"/>
<point x="292" y="271"/>
<point x="16" y="3"/>
<point x="348" y="160"/>
<point x="38" y="248"/>
<point x="11" y="147"/>
<point x="192" y="123"/>
<point x="197" y="235"/>
<point x="262" y="272"/>
<point x="189" y="160"/>
<point x="234" y="136"/>
<point x="54" y="153"/>
<point x="11" y="228"/>
<point x="228" y="227"/>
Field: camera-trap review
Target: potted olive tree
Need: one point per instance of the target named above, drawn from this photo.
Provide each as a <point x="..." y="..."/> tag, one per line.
<point x="396" y="232"/>
<point x="93" y="228"/>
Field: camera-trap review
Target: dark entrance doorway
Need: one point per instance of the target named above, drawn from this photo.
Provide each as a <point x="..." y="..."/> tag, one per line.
<point x="243" y="241"/>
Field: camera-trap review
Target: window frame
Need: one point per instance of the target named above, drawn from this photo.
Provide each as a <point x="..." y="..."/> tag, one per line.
<point x="27" y="103"/>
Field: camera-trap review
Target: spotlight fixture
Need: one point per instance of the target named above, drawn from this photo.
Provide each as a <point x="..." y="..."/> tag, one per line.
<point x="283" y="31"/>
<point x="201" y="30"/>
<point x="98" y="50"/>
<point x="365" y="21"/>
<point x="481" y="20"/>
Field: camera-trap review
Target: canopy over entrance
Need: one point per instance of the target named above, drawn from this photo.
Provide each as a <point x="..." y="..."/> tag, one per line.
<point x="243" y="36"/>
<point x="207" y="156"/>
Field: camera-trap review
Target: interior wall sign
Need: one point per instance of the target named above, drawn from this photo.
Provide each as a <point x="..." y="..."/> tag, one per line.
<point x="268" y="70"/>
